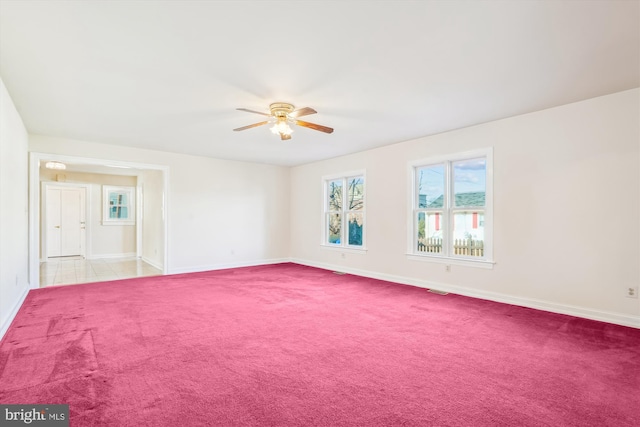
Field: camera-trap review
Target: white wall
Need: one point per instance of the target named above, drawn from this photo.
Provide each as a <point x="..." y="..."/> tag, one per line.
<point x="152" y="218"/>
<point x="566" y="209"/>
<point x="105" y="240"/>
<point x="221" y="213"/>
<point x="558" y="174"/>
<point x="14" y="232"/>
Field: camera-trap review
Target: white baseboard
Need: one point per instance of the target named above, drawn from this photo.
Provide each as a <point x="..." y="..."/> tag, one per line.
<point x="111" y="256"/>
<point x="199" y="268"/>
<point x="587" y="313"/>
<point x="152" y="263"/>
<point x="5" y="326"/>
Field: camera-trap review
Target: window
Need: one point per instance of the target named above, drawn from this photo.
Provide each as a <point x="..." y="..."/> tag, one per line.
<point x="451" y="207"/>
<point x="118" y="205"/>
<point x="344" y="212"/>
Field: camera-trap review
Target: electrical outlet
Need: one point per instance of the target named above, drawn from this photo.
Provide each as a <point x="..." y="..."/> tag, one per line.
<point x="632" y="292"/>
<point x="447" y="268"/>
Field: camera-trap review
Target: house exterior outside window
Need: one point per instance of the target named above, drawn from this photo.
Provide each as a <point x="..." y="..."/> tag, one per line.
<point x="451" y="208"/>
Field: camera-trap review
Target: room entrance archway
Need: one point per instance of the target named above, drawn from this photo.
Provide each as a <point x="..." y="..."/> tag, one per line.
<point x="38" y="234"/>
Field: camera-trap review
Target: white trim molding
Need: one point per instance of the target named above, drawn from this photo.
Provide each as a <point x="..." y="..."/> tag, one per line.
<point x="152" y="263"/>
<point x="34" y="206"/>
<point x="345" y="249"/>
<point x="326" y="211"/>
<point x="127" y="255"/>
<point x="12" y="315"/>
<point x="452" y="261"/>
<point x="583" y="312"/>
<point x="86" y="247"/>
<point x="448" y="209"/>
<point x="224" y="266"/>
<point x="131" y="194"/>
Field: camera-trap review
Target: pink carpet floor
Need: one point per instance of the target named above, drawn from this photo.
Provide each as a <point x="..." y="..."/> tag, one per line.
<point x="288" y="345"/>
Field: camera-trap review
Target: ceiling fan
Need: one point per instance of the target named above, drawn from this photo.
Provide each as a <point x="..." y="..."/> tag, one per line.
<point x="281" y="114"/>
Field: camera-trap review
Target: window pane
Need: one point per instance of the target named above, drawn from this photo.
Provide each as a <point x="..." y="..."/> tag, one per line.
<point x="468" y="233"/>
<point x="356" y="193"/>
<point x="334" y="231"/>
<point x="124" y="213"/>
<point x="355" y="228"/>
<point x="334" y="192"/>
<point x="113" y="212"/>
<point x="430" y="186"/>
<point x="430" y="232"/>
<point x="469" y="182"/>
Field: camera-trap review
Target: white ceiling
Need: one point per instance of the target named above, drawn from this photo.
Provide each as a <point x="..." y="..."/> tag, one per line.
<point x="168" y="75"/>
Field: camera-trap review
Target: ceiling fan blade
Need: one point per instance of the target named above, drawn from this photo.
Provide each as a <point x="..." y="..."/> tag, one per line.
<point x="284" y="137"/>
<point x="314" y="126"/>
<point x="253" y="111"/>
<point x="252" y="126"/>
<point x="302" y="112"/>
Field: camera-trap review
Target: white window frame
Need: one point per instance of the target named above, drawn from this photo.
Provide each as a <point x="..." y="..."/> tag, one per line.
<point x="447" y="256"/>
<point x="343" y="245"/>
<point x="131" y="205"/>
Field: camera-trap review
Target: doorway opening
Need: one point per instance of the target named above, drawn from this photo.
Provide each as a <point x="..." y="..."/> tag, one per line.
<point x="64" y="220"/>
<point x="74" y="229"/>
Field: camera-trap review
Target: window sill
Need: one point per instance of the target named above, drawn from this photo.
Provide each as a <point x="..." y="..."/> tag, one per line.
<point x="345" y="249"/>
<point x="118" y="223"/>
<point x="453" y="261"/>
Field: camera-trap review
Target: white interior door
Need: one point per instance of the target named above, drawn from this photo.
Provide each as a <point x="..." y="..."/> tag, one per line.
<point x="54" y="212"/>
<point x="66" y="221"/>
<point x="70" y="223"/>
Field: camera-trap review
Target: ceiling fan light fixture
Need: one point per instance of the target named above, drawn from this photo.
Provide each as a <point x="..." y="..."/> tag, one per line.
<point x="281" y="128"/>
<point x="55" y="165"/>
<point x="281" y="114"/>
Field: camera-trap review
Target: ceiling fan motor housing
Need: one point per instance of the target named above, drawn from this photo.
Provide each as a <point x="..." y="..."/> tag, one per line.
<point x="281" y="109"/>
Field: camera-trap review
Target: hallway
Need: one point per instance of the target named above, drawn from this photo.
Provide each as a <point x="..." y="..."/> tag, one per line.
<point x="74" y="270"/>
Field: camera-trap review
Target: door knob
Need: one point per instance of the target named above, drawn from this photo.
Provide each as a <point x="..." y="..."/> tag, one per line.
<point x="56" y="226"/>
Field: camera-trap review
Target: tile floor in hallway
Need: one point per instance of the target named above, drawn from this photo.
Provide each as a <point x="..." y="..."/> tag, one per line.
<point x="71" y="271"/>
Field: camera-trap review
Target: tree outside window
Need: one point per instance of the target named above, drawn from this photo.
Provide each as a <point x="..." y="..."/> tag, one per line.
<point x="344" y="204"/>
<point x="118" y="205"/>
